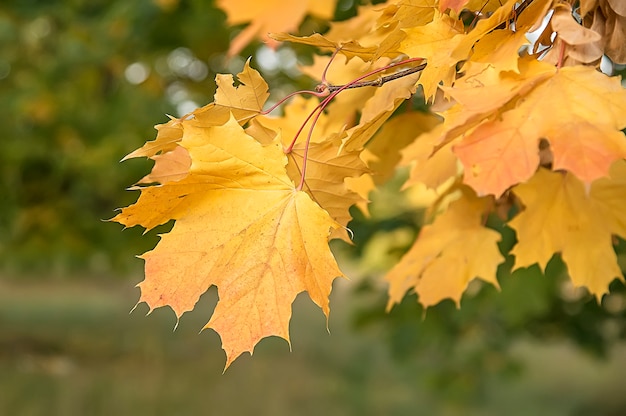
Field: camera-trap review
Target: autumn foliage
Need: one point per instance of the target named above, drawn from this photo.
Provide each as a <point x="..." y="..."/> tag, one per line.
<point x="527" y="131"/>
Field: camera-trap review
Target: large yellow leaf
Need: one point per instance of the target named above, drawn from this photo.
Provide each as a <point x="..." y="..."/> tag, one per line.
<point x="328" y="164"/>
<point x="326" y="171"/>
<point x="448" y="254"/>
<point x="241" y="226"/>
<point x="563" y="216"/>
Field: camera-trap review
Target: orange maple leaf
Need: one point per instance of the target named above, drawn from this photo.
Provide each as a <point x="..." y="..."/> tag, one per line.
<point x="454" y="5"/>
<point x="578" y="110"/>
<point x="241" y="226"/>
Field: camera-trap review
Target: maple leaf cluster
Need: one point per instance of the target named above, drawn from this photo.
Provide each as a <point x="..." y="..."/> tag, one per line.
<point x="527" y="131"/>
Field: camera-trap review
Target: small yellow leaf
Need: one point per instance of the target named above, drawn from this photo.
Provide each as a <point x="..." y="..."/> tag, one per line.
<point x="396" y="134"/>
<point x="448" y="254"/>
<point x="562" y="216"/>
<point x="434" y="42"/>
<point x="168" y="167"/>
<point x="349" y="49"/>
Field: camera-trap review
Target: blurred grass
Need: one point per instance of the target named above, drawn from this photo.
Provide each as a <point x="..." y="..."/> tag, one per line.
<point x="71" y="348"/>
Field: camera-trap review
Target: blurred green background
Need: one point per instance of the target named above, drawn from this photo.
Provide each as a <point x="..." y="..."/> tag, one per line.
<point x="82" y="83"/>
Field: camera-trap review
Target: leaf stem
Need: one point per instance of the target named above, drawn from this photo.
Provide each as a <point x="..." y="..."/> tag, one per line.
<point x="318" y="92"/>
<point x="332" y="58"/>
<point x="282" y="101"/>
<point x="559" y="63"/>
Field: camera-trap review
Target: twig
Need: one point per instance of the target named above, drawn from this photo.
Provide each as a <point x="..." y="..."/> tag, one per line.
<point x="377" y="82"/>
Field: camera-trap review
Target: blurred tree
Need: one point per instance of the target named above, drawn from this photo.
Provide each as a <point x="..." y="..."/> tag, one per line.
<point x="82" y="83"/>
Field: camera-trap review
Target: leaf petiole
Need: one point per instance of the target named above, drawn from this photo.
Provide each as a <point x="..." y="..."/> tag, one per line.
<point x="333" y="90"/>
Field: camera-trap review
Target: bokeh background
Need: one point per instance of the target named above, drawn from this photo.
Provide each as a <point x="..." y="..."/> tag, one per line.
<point x="82" y="83"/>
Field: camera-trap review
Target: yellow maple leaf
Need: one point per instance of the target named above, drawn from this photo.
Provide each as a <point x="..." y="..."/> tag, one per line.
<point x="563" y="216"/>
<point x="433" y="42"/>
<point x="241" y="226"/>
<point x="448" y="254"/>
<point x="270" y="16"/>
<point x="482" y="7"/>
<point x="384" y="149"/>
<point x="444" y="43"/>
<point x="349" y="49"/>
<point x="408" y="13"/>
<point x="500" y="49"/>
<point x="501" y="15"/>
<point x="427" y="168"/>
